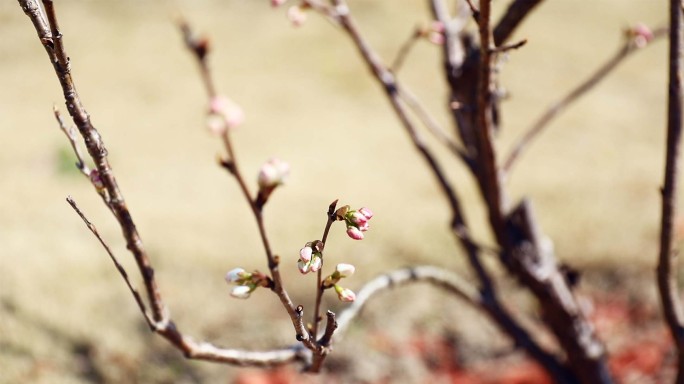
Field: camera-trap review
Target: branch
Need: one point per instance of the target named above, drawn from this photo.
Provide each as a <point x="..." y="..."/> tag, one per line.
<point x="559" y="106"/>
<point x="405" y="49"/>
<point x="51" y="38"/>
<point x="667" y="260"/>
<point x="453" y="284"/>
<point x="516" y="12"/>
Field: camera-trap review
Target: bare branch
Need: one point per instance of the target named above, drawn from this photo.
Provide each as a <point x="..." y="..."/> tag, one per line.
<point x="70" y="133"/>
<point x="319" y="276"/>
<point x="51" y="38"/>
<point x="516" y="12"/>
<point x="405" y="49"/>
<point x="433" y="126"/>
<point x="559" y="106"/>
<point x="119" y="267"/>
<point x="667" y="259"/>
<point x="508" y="47"/>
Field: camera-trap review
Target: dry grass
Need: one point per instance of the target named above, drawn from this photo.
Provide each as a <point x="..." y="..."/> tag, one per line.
<point x="65" y="316"/>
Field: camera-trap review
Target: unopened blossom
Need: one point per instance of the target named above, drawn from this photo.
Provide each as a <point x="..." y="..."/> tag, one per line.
<point x="273" y="173"/>
<point x="277" y="3"/>
<point x="304" y="266"/>
<point x="241" y="291"/>
<point x="345" y="294"/>
<point x="344" y="269"/>
<point x="223" y="114"/>
<point x="357" y="221"/>
<point x="366" y="212"/>
<point x="296" y="15"/>
<point x="316" y="264"/>
<point x="310" y="258"/>
<point x="305" y="253"/>
<point x="354" y="233"/>
<point x="641" y="35"/>
<point x="237" y="274"/>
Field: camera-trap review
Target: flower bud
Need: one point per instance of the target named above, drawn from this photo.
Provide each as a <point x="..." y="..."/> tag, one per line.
<point x="223" y="107"/>
<point x="277" y="3"/>
<point x="305" y="253"/>
<point x="366" y="212"/>
<point x="316" y="263"/>
<point x="345" y="269"/>
<point x="358" y="218"/>
<point x="641" y="35"/>
<point x="345" y="294"/>
<point x="354" y="233"/>
<point x="241" y="292"/>
<point x="304" y="266"/>
<point x="296" y="15"/>
<point x="236" y="274"/>
<point x="273" y="173"/>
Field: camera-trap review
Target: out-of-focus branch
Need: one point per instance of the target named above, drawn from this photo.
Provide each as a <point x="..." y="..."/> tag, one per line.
<point x="454" y="284"/>
<point x="667" y="260"/>
<point x="459" y="226"/>
<point x="516" y="12"/>
<point x="405" y="49"/>
<point x="559" y="106"/>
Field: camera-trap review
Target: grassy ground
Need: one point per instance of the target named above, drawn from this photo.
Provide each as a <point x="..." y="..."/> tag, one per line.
<point x="65" y="316"/>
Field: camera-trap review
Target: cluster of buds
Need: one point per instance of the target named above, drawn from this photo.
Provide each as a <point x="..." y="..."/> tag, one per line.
<point x="246" y="282"/>
<point x="640" y="35"/>
<point x="356" y="220"/>
<point x="310" y="257"/>
<point x="273" y="173"/>
<point x="223" y="114"/>
<point x="433" y="33"/>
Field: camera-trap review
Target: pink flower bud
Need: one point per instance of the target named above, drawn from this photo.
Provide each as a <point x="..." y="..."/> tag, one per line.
<point x="277" y="3"/>
<point x="305" y="253"/>
<point x="273" y="173"/>
<point x="96" y="179"/>
<point x="304" y="266"/>
<point x="229" y="111"/>
<point x="436" y="38"/>
<point x="216" y="125"/>
<point x="296" y="15"/>
<point x="241" y="292"/>
<point x="345" y="294"/>
<point x="366" y="212"/>
<point x="235" y="275"/>
<point x="359" y="218"/>
<point x="345" y="269"/>
<point x="316" y="264"/>
<point x="354" y="233"/>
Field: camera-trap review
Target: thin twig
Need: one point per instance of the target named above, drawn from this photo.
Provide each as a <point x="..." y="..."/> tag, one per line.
<point x="319" y="276"/>
<point x="405" y="49"/>
<point x="508" y="47"/>
<point x="473" y="10"/>
<point x="515" y="14"/>
<point x="559" y="106"/>
<point x="119" y="267"/>
<point x="70" y="133"/>
<point x="433" y="126"/>
<point x="667" y="259"/>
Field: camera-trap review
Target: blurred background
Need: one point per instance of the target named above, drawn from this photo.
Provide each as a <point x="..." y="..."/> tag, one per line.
<point x="65" y="314"/>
